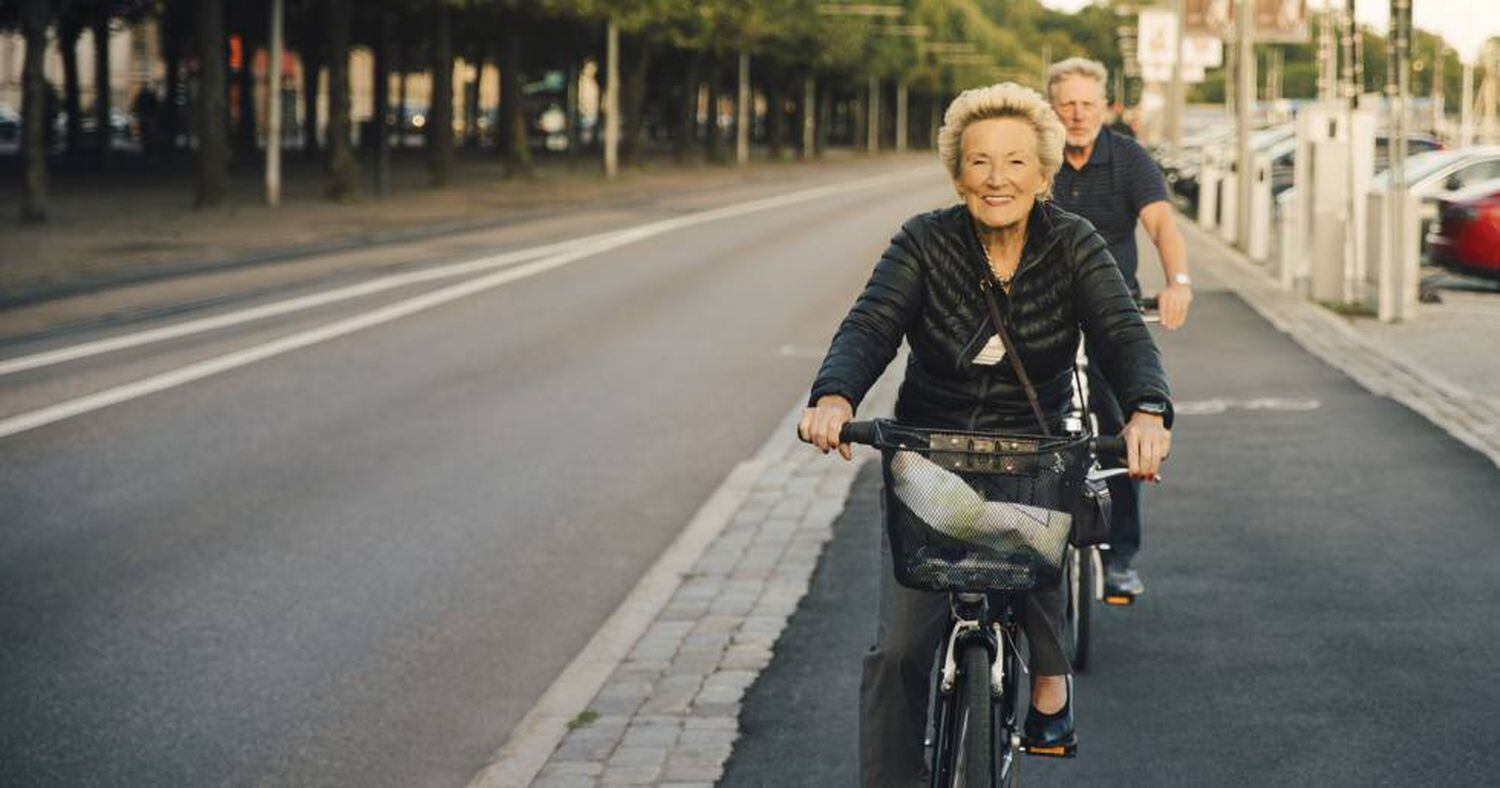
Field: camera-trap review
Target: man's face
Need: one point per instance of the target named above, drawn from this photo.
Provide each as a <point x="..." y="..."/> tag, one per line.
<point x="1079" y="101"/>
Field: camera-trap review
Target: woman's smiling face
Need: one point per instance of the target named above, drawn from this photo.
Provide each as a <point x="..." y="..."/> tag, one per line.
<point x="999" y="171"/>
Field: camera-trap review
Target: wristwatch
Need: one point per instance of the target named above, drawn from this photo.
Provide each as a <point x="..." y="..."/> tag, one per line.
<point x="1182" y="279"/>
<point x="1152" y="407"/>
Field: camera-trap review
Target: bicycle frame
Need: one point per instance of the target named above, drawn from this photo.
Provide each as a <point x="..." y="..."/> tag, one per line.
<point x="990" y="621"/>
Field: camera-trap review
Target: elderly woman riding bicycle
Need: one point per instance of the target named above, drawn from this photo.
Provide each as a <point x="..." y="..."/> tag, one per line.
<point x="1054" y="276"/>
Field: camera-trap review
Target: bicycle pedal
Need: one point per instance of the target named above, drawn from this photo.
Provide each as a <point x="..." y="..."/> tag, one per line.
<point x="1119" y="600"/>
<point x="1064" y="750"/>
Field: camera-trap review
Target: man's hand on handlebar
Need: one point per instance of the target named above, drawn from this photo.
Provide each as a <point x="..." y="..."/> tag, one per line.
<point x="1172" y="303"/>
<point x="822" y="424"/>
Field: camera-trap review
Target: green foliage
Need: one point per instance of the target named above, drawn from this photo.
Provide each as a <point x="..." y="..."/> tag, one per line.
<point x="1300" y="69"/>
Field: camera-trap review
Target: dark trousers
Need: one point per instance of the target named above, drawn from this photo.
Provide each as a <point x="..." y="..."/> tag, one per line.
<point x="1124" y="492"/>
<point x="893" y="690"/>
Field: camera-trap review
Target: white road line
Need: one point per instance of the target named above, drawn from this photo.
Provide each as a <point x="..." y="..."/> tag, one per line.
<point x="190" y="327"/>
<point x="580" y="250"/>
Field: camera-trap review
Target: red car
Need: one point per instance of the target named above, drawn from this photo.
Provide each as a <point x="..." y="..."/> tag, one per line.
<point x="1467" y="237"/>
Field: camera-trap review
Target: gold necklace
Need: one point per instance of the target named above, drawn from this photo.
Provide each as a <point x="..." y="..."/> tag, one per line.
<point x="989" y="261"/>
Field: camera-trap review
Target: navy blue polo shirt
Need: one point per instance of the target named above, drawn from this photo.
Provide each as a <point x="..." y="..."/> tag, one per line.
<point x="1119" y="179"/>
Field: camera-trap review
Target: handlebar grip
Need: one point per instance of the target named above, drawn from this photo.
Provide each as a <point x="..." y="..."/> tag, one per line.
<point x="862" y="432"/>
<point x="1111" y="446"/>
<point x="1148" y="304"/>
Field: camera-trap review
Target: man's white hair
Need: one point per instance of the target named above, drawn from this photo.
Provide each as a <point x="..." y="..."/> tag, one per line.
<point x="1077" y="66"/>
<point x="1005" y="100"/>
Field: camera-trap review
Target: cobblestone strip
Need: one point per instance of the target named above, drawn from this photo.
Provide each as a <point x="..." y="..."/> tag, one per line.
<point x="669" y="714"/>
<point x="1472" y="419"/>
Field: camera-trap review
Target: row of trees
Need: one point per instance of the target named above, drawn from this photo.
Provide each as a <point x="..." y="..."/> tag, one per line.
<point x="1433" y="59"/>
<point x="809" y="59"/>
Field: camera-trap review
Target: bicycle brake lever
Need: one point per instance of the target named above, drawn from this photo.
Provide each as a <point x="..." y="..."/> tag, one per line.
<point x="1110" y="472"/>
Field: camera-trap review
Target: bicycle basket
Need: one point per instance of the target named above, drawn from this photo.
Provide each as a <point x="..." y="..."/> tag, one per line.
<point x="976" y="511"/>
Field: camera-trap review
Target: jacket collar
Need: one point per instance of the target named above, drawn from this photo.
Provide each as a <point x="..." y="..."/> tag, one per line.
<point x="1041" y="236"/>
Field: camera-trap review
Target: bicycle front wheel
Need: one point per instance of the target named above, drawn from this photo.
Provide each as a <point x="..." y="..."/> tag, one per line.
<point x="974" y="734"/>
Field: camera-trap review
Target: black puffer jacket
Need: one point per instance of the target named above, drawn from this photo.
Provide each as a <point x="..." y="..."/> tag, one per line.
<point x="926" y="288"/>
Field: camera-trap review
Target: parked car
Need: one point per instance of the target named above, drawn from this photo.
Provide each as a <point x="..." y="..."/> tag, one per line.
<point x="10" y="131"/>
<point x="122" y="132"/>
<point x="1415" y="144"/>
<point x="1283" y="156"/>
<point x="1184" y="178"/>
<point x="1466" y="238"/>
<point x="1435" y="174"/>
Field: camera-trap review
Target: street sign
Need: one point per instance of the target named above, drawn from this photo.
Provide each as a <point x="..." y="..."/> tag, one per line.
<point x="1156" y="44"/>
<point x="1163" y="73"/>
<point x="1200" y="52"/>
<point x="1156" y="49"/>
<point x="1276" y="21"/>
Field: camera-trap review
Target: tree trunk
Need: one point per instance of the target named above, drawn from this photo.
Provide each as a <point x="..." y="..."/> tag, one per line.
<point x="776" y="116"/>
<point x="401" y="111"/>
<point x="171" y="122"/>
<point x="312" y="66"/>
<point x="474" y="59"/>
<point x="213" y="132"/>
<point x="859" y="111"/>
<point x="575" y="137"/>
<point x="440" y="114"/>
<point x="687" y="129"/>
<point x="311" y="48"/>
<point x="343" y="170"/>
<point x="513" y="147"/>
<point x="34" y="15"/>
<point x="715" y="141"/>
<point x="825" y="119"/>
<point x="245" y="89"/>
<point x="384" y="45"/>
<point x="101" y="92"/>
<point x="68" y="34"/>
<point x="635" y="61"/>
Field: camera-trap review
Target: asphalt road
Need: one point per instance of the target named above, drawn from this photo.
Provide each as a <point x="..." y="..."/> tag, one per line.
<point x="361" y="562"/>
<point x="1320" y="605"/>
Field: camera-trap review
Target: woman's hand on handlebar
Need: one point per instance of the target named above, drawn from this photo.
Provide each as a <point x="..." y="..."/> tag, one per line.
<point x="821" y="424"/>
<point x="1147" y="443"/>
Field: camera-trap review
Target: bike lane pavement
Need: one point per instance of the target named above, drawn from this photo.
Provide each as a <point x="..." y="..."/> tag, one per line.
<point x="1319" y="606"/>
<point x="1320" y="602"/>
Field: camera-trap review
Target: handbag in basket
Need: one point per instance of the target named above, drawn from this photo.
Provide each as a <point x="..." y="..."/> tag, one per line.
<point x="1090" y="507"/>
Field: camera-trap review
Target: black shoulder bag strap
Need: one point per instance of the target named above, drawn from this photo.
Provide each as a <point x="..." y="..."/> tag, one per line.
<point x="987" y="285"/>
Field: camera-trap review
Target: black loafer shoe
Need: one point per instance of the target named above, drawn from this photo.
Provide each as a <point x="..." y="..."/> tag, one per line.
<point x="1050" y="730"/>
<point x="1121" y="580"/>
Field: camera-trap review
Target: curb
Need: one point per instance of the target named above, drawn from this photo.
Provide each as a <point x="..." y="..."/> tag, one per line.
<point x="668" y="714"/>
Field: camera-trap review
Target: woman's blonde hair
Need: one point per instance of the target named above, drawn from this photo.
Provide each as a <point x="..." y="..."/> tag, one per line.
<point x="1005" y="100"/>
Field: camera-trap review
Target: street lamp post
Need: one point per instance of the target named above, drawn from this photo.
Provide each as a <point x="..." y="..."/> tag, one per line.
<point x="1244" y="30"/>
<point x="273" y="107"/>
<point x="743" y="113"/>
<point x="1398" y="76"/>
<point x="1176" y="93"/>
<point x="612" y="99"/>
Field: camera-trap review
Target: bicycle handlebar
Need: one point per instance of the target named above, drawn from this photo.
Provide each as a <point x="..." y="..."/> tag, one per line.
<point x="867" y="433"/>
<point x="1149" y="309"/>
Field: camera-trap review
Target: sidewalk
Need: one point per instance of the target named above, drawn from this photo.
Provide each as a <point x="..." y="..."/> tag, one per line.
<point x="127" y="225"/>
<point x="1304" y="509"/>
